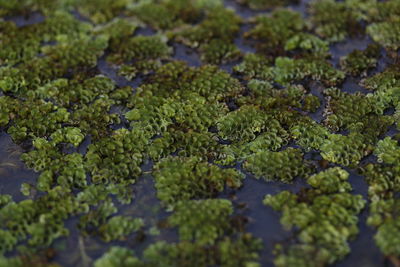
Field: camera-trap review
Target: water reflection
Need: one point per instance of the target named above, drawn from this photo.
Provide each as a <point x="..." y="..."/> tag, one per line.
<point x="12" y="170"/>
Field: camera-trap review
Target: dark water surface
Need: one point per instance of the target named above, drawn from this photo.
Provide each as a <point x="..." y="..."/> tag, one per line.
<point x="263" y="222"/>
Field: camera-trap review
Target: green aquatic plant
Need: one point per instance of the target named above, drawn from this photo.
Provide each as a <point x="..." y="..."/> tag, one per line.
<point x="101" y="11"/>
<point x="345" y="150"/>
<point x="261" y="100"/>
<point x="275" y="30"/>
<point x="334" y="21"/>
<point x="275" y="165"/>
<point x="384" y="217"/>
<point x="255" y="66"/>
<point x="35" y="118"/>
<point x="95" y="119"/>
<point x="289" y="70"/>
<point x="140" y="48"/>
<point x="264" y="4"/>
<point x="203" y="221"/>
<point x="178" y="179"/>
<point x="33" y="223"/>
<point x="309" y="134"/>
<point x="118" y="257"/>
<point x="359" y="62"/>
<point x="214" y="36"/>
<point x="308" y="43"/>
<point x="385" y="33"/>
<point x="116" y="158"/>
<point x="229" y="252"/>
<point x="66" y="93"/>
<point x="330" y="181"/>
<point x="325" y="216"/>
<point x="243" y="124"/>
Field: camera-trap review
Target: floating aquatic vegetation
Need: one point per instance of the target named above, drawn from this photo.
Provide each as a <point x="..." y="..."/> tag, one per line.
<point x="93" y="94"/>
<point x="275" y="30"/>
<point x="180" y="179"/>
<point x="326" y="218"/>
<point x="203" y="221"/>
<point x="275" y="165"/>
<point x="359" y="62"/>
<point x="334" y="21"/>
<point x="264" y="4"/>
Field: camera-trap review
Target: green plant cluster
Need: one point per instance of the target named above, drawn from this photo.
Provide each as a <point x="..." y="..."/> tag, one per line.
<point x="383" y="180"/>
<point x="325" y="216"/>
<point x="265" y="4"/>
<point x="94" y="94"/>
<point x="181" y="179"/>
<point x="208" y="236"/>
<point x="359" y="62"/>
<point x="283" y="165"/>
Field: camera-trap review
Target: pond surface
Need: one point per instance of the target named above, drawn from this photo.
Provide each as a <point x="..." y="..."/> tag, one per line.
<point x="263" y="221"/>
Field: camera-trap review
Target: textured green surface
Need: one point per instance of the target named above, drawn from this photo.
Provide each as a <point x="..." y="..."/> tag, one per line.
<point x="100" y="102"/>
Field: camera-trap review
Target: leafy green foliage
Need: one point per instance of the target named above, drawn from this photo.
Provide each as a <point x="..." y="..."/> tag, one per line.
<point x="180" y="179"/>
<point x="334" y="21"/>
<point x="243" y="124"/>
<point x="330" y="181"/>
<point x="325" y="216"/>
<point x="117" y="257"/>
<point x="91" y="135"/>
<point x="264" y="4"/>
<point x="275" y="30"/>
<point x="291" y="70"/>
<point x="213" y="36"/>
<point x="203" y="221"/>
<point x="358" y="62"/>
<point x="140" y="48"/>
<point x="345" y="150"/>
<point x="116" y="158"/>
<point x="255" y="66"/>
<point x="283" y="165"/>
<point x="309" y="135"/>
<point x="228" y="252"/>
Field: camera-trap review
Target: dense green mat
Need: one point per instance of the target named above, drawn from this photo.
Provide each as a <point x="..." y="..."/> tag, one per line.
<point x="143" y="123"/>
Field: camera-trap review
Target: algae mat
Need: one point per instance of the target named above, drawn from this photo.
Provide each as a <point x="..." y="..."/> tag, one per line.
<point x="199" y="133"/>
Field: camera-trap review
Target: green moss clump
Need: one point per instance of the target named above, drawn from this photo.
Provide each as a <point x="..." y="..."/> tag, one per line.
<point x="334" y="21"/>
<point x="203" y="221"/>
<point x="359" y="62"/>
<point x="180" y="179"/>
<point x="325" y="216"/>
<point x="255" y="66"/>
<point x="265" y="4"/>
<point x="385" y="33"/>
<point x="117" y="158"/>
<point x="34" y="118"/>
<point x="118" y="257"/>
<point x="345" y="150"/>
<point x="37" y="223"/>
<point x="91" y="135"/>
<point x="103" y="10"/>
<point x="384" y="80"/>
<point x="283" y="166"/>
<point x="330" y="181"/>
<point x="140" y="48"/>
<point x="309" y="135"/>
<point x="308" y="43"/>
<point x="228" y="252"/>
<point x="288" y="71"/>
<point x="214" y="36"/>
<point x="275" y="30"/>
<point x="384" y="185"/>
<point x="384" y="216"/>
<point x="243" y="124"/>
